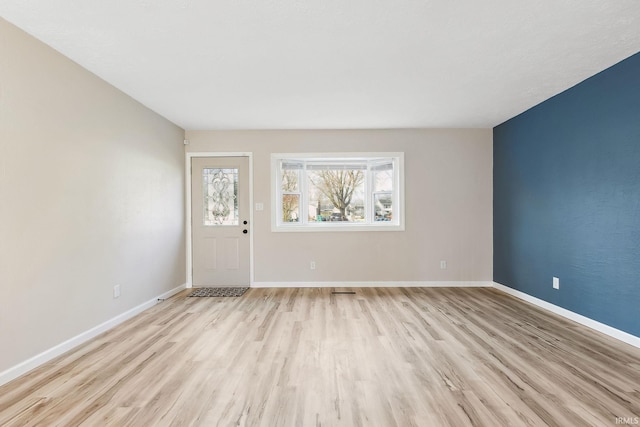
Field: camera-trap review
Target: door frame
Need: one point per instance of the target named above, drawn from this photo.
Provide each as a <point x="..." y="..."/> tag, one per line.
<point x="188" y="219"/>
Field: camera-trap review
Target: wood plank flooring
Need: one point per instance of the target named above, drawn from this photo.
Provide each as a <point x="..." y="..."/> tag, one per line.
<point x="306" y="357"/>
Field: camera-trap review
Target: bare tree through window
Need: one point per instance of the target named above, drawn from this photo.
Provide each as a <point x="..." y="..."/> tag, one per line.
<point x="290" y="201"/>
<point x="338" y="186"/>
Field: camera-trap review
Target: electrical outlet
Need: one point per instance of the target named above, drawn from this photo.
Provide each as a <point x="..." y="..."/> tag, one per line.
<point x="443" y="265"/>
<point x="116" y="291"/>
<point x="312" y="265"/>
<point x="556" y="283"/>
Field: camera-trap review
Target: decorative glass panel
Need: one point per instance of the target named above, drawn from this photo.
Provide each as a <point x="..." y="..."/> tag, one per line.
<point x="220" y="196"/>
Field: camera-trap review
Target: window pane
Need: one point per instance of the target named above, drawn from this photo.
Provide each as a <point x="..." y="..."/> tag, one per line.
<point x="220" y="196"/>
<point x="383" y="180"/>
<point x="290" y="180"/>
<point x="382" y="206"/>
<point x="336" y="195"/>
<point x="290" y="208"/>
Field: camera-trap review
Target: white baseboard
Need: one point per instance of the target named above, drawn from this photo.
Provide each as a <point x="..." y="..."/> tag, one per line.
<point x="578" y="318"/>
<point x="431" y="284"/>
<point x="47" y="355"/>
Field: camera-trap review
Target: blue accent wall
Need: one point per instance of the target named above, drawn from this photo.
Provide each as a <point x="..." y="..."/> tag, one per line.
<point x="567" y="198"/>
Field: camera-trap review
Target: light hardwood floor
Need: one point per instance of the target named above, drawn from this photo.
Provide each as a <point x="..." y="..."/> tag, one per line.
<point x="305" y="357"/>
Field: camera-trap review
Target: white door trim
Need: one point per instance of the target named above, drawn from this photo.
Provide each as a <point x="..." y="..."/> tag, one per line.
<point x="188" y="157"/>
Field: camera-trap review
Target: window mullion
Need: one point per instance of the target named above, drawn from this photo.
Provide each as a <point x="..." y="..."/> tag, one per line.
<point x="395" y="193"/>
<point x="368" y="197"/>
<point x="280" y="194"/>
<point x="304" y="197"/>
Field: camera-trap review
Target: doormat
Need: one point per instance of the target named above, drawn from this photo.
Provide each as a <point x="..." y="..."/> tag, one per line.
<point x="218" y="292"/>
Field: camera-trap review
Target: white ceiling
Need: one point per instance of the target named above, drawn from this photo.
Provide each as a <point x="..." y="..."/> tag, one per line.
<point x="335" y="64"/>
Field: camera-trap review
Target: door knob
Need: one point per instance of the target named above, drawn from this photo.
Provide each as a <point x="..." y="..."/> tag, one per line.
<point x="244" y="231"/>
<point x="245" y="222"/>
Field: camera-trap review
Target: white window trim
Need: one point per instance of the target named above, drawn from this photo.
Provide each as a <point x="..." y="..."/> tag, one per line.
<point x="398" y="158"/>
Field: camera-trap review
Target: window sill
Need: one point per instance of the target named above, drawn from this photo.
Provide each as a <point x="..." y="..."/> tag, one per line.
<point x="292" y="228"/>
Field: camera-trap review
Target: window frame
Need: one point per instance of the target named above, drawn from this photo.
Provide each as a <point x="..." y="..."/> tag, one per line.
<point x="396" y="224"/>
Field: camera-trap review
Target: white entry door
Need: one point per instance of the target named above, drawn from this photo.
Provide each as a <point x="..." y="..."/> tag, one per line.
<point x="220" y="221"/>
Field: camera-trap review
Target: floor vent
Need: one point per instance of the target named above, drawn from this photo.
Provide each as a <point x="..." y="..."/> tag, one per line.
<point x="343" y="293"/>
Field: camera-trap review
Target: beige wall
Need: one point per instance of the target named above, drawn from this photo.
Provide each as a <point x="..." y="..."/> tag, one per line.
<point x="448" y="195"/>
<point x="91" y="195"/>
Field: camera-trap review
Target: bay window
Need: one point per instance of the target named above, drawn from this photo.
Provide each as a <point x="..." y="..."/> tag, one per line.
<point x="315" y="192"/>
